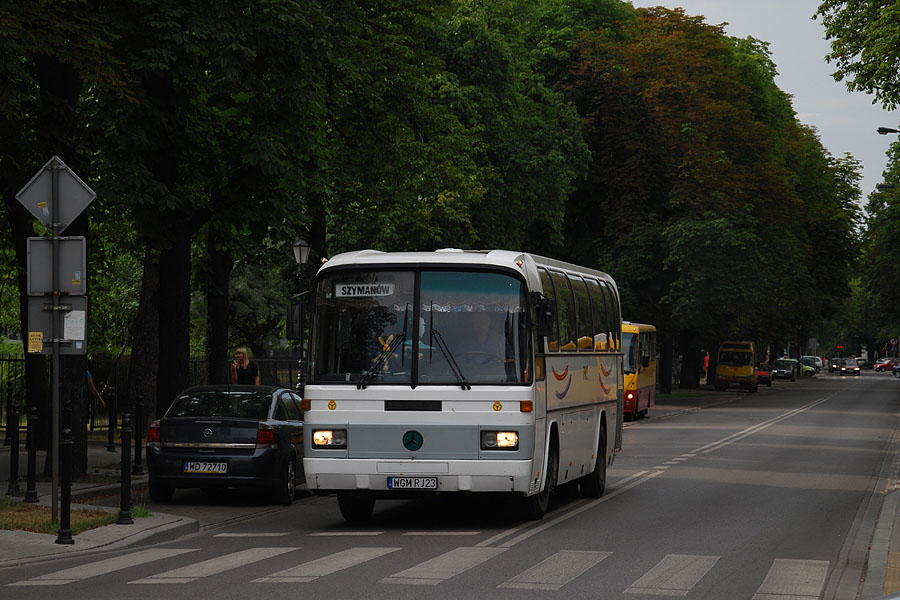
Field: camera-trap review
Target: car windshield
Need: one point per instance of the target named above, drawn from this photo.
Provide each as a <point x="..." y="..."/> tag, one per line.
<point x="221" y="403"/>
<point x="783" y="364"/>
<point x="851" y="362"/>
<point x="426" y="327"/>
<point x="737" y="359"/>
<point x="808" y="361"/>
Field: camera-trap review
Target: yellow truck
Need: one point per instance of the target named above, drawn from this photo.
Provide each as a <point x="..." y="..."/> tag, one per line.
<point x="736" y="367"/>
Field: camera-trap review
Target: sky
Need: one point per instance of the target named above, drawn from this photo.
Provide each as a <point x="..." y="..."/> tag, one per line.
<point x="845" y="122"/>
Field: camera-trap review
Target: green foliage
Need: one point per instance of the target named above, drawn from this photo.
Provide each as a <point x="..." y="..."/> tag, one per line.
<point x="864" y="47"/>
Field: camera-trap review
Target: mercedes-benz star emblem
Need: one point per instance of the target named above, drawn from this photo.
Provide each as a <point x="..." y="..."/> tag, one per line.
<point x="207" y="432"/>
<point x="413" y="440"/>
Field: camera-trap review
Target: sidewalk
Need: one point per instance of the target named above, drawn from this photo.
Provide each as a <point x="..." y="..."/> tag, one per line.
<point x="18" y="547"/>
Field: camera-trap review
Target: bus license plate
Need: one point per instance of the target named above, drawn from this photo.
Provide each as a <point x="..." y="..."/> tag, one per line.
<point x="191" y="466"/>
<point x="412" y="483"/>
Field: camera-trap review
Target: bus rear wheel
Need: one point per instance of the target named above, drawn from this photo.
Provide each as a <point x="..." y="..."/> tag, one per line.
<point x="356" y="508"/>
<point x="536" y="506"/>
<point x="594" y="484"/>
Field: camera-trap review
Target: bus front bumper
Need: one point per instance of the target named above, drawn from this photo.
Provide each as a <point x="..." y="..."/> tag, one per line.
<point x="325" y="475"/>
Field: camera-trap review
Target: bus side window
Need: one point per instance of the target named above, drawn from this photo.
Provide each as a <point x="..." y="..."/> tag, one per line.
<point x="583" y="312"/>
<point x="598" y="313"/>
<point x="565" y="308"/>
<point x="604" y="306"/>
<point x="547" y="284"/>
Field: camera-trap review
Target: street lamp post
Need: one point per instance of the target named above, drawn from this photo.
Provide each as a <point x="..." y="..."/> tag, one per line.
<point x="301" y="256"/>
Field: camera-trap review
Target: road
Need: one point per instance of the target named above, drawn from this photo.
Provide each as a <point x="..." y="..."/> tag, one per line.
<point x="760" y="497"/>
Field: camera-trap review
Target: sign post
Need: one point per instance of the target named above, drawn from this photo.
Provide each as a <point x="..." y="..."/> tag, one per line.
<point x="56" y="196"/>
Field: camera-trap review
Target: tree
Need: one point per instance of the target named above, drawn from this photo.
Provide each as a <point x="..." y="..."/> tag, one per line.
<point x="863" y="37"/>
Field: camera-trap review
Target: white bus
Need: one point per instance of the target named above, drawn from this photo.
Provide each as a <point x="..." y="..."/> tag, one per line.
<point x="460" y="372"/>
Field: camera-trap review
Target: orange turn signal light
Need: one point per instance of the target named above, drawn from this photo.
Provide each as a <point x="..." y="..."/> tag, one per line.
<point x="526" y="406"/>
<point x="305" y="404"/>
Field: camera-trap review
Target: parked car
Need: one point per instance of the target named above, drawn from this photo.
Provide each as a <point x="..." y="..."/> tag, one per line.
<point x="864" y="363"/>
<point x="850" y="367"/>
<point x="784" y="368"/>
<point x="764" y="374"/>
<point x="885" y="364"/>
<point x="808" y="366"/>
<point x="816" y="361"/>
<point x="228" y="436"/>
<point x="834" y="365"/>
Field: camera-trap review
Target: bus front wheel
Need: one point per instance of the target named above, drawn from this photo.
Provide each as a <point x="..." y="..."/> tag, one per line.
<point x="594" y="483"/>
<point x="537" y="505"/>
<point x="356" y="508"/>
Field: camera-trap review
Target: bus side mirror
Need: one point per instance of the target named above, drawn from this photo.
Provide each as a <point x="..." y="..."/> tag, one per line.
<point x="543" y="309"/>
<point x="295" y="322"/>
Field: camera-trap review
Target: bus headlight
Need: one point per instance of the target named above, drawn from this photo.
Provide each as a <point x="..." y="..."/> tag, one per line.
<point x="499" y="440"/>
<point x="329" y="438"/>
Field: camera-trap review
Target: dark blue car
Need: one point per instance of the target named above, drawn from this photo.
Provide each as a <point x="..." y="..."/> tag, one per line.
<point x="896" y="369"/>
<point x="228" y="436"/>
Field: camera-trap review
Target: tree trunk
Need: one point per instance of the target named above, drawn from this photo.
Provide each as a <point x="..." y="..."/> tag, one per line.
<point x="219" y="267"/>
<point x="144" y="364"/>
<point x="175" y="315"/>
<point x="664" y="374"/>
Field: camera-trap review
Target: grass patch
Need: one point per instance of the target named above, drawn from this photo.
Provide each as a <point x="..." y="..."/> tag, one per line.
<point x="16" y="515"/>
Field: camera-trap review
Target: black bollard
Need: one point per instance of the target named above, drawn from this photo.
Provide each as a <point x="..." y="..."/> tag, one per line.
<point x="64" y="536"/>
<point x="31" y="445"/>
<point x="125" y="505"/>
<point x="6" y="440"/>
<point x="138" y="432"/>
<point x="12" y="421"/>
<point x="111" y="406"/>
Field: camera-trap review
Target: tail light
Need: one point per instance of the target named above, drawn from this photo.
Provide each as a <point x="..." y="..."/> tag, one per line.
<point x="153" y="434"/>
<point x="265" y="436"/>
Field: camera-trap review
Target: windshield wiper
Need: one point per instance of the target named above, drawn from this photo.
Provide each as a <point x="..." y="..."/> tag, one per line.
<point x="445" y="350"/>
<point x="385" y="354"/>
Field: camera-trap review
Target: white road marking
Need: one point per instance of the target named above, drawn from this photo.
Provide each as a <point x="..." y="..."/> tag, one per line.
<point x="248" y="535"/>
<point x="556" y="571"/>
<point x="326" y="565"/>
<point x="214" y="566"/>
<point x="756" y="428"/>
<point x="440" y="533"/>
<point x="445" y="566"/>
<point x="102" y="567"/>
<point x="675" y="575"/>
<point x="793" y="580"/>
<point x="345" y="533"/>
<point x="620" y="485"/>
<point x="571" y="513"/>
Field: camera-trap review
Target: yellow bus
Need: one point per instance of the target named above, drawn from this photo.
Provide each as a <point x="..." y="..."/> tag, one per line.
<point x="639" y="367"/>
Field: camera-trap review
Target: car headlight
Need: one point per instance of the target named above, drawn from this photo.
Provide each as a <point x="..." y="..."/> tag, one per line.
<point x="499" y="440"/>
<point x="329" y="438"/>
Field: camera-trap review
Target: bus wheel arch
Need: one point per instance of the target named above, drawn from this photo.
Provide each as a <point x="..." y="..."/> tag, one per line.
<point x="536" y="505"/>
<point x="356" y="507"/>
<point x="594" y="483"/>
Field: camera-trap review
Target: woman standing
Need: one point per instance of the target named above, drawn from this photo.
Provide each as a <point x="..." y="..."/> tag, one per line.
<point x="243" y="370"/>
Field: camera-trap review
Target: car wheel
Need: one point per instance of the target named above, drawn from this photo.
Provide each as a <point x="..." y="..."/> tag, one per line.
<point x="594" y="484"/>
<point x="161" y="492"/>
<point x="286" y="490"/>
<point x="356" y="508"/>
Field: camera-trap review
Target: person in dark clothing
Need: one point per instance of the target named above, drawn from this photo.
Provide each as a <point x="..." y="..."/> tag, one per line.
<point x="243" y="370"/>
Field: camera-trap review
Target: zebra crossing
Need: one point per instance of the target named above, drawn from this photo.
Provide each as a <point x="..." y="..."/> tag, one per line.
<point x="675" y="575"/>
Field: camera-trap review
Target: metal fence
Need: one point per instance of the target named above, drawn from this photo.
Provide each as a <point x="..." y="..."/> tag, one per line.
<point x="109" y="373"/>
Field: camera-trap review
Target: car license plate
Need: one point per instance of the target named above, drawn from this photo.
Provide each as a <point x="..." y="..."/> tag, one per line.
<point x="412" y="483"/>
<point x="191" y="466"/>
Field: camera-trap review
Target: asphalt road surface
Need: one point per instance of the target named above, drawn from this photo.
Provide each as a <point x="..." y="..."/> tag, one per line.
<point x="760" y="497"/>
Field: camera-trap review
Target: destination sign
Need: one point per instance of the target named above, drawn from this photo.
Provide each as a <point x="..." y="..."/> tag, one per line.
<point x="360" y="290"/>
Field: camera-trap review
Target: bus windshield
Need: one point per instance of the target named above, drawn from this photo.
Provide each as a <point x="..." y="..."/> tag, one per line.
<point x="453" y="327"/>
<point x="630" y="351"/>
